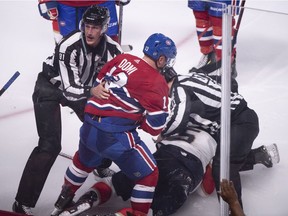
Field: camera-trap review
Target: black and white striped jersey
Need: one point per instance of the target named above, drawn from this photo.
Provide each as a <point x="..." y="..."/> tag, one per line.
<point x="196" y="102"/>
<point x="75" y="66"/>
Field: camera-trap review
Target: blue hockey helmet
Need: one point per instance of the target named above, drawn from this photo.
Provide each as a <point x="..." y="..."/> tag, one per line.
<point x="159" y="45"/>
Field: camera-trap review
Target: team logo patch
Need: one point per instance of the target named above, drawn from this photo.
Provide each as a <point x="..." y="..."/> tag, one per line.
<point x="137" y="174"/>
<point x="168" y="42"/>
<point x="62" y="23"/>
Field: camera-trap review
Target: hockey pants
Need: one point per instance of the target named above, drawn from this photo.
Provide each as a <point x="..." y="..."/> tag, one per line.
<point x="175" y="182"/>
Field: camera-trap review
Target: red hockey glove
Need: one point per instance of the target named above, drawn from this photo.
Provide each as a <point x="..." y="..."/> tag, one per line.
<point x="48" y="10"/>
<point x="122" y="2"/>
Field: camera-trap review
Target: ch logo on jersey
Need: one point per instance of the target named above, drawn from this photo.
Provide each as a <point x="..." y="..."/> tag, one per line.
<point x="117" y="81"/>
<point x="168" y="42"/>
<point x="137" y="174"/>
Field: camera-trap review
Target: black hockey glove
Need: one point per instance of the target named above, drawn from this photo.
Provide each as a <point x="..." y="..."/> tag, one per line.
<point x="48" y="10"/>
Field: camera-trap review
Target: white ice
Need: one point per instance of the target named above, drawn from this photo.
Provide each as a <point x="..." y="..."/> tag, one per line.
<point x="26" y="40"/>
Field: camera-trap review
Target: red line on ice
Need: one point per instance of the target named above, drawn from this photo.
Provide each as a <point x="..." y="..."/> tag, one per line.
<point x="16" y="113"/>
<point x="185" y="39"/>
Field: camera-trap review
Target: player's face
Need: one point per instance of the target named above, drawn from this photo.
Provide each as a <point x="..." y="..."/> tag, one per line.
<point x="92" y="34"/>
<point x="161" y="63"/>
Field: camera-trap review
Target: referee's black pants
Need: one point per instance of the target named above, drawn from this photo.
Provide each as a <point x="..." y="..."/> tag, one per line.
<point x="47" y="99"/>
<point x="244" y="130"/>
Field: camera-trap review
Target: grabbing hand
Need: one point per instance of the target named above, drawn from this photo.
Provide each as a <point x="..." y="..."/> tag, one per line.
<point x="100" y="91"/>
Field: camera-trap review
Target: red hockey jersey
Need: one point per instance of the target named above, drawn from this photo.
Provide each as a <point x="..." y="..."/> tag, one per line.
<point x="137" y="91"/>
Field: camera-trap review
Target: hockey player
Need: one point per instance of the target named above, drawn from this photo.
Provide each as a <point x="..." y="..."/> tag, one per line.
<point x="208" y="16"/>
<point x="66" y="79"/>
<point x="66" y="15"/>
<point x="181" y="159"/>
<point x="138" y="98"/>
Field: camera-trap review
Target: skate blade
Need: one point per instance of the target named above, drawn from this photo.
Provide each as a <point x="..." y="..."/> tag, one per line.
<point x="76" y="210"/>
<point x="274" y="153"/>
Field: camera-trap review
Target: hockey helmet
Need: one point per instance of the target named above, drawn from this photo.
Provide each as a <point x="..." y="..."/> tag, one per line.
<point x="159" y="45"/>
<point x="169" y="73"/>
<point x="96" y="15"/>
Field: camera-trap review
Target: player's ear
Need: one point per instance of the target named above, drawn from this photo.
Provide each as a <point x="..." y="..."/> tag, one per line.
<point x="161" y="61"/>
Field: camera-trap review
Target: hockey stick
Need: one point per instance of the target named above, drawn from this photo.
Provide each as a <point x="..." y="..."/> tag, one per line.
<point x="97" y="173"/>
<point x="120" y="23"/>
<point x="238" y="23"/>
<point x="10" y="81"/>
<point x="126" y="48"/>
<point x="66" y="155"/>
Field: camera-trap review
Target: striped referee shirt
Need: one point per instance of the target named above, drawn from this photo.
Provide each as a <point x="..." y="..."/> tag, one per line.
<point x="196" y="102"/>
<point x="75" y="66"/>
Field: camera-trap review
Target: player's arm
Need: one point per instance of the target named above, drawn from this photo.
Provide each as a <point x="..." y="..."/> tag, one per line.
<point x="48" y="9"/>
<point x="155" y="101"/>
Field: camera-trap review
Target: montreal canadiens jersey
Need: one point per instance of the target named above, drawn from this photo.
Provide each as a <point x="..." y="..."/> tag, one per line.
<point x="137" y="91"/>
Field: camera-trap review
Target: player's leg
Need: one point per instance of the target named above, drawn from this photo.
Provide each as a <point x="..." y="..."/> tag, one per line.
<point x="204" y="31"/>
<point x="139" y="165"/>
<point x="216" y="9"/>
<point x="83" y="163"/>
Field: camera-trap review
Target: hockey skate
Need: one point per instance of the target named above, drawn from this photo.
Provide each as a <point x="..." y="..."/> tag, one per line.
<point x="21" y="209"/>
<point x="64" y="200"/>
<point x="84" y="203"/>
<point x="204" y="60"/>
<point x="99" y="193"/>
<point x="267" y="155"/>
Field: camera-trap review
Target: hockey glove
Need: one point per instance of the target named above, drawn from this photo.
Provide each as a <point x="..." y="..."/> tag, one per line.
<point x="48" y="10"/>
<point x="122" y="2"/>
